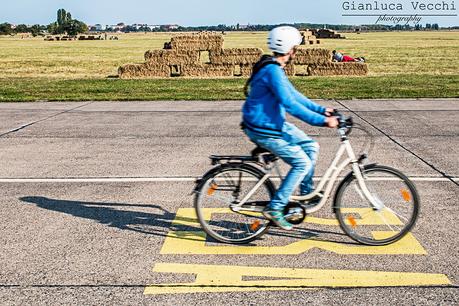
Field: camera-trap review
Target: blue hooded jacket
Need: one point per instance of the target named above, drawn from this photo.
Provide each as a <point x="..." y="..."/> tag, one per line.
<point x="271" y="96"/>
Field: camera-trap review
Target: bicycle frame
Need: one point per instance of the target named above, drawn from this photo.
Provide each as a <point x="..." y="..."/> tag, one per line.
<point x="327" y="181"/>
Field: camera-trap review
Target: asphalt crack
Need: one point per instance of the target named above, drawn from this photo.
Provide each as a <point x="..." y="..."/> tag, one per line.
<point x="41" y="120"/>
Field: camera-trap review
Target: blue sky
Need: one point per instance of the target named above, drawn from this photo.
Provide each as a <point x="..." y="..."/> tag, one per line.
<point x="193" y="12"/>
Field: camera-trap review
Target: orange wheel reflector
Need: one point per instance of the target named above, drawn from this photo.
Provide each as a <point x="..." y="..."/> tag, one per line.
<point x="406" y="195"/>
<point x="255" y="225"/>
<point x="212" y="189"/>
<point x="352" y="221"/>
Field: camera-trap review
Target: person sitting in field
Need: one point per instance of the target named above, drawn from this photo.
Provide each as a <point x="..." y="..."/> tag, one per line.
<point x="340" y="58"/>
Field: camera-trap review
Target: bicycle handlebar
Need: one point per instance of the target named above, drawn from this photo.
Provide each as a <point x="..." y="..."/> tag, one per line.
<point x="346" y="125"/>
<point x="344" y="122"/>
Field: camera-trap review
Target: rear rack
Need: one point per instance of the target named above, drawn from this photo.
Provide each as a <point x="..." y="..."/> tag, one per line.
<point x="219" y="159"/>
<point x="261" y="159"/>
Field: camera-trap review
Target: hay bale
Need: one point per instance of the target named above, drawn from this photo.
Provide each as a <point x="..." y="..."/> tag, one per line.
<point x="290" y="69"/>
<point x="172" y="57"/>
<point x="198" y="42"/>
<point x="309" y="38"/>
<point x="246" y="70"/>
<point x="325" y="33"/>
<point x="145" y="70"/>
<point x="235" y="56"/>
<point x="352" y="69"/>
<point x="208" y="70"/>
<point x="312" y="56"/>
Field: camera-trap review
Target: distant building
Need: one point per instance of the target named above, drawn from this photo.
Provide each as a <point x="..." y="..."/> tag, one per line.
<point x="170" y="27"/>
<point x="116" y="28"/>
<point x="97" y="27"/>
<point x="154" y="27"/>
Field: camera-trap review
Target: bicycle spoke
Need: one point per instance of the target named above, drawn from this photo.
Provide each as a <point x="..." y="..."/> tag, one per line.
<point x="397" y="214"/>
<point x="229" y="226"/>
<point x="385" y="221"/>
<point x="385" y="185"/>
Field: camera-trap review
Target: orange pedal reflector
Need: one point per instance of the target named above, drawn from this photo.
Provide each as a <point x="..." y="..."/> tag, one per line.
<point x="212" y="189"/>
<point x="352" y="221"/>
<point x="255" y="225"/>
<point x="406" y="195"/>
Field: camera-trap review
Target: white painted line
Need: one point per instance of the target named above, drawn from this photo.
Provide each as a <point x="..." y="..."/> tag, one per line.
<point x="166" y="179"/>
<point x="100" y="180"/>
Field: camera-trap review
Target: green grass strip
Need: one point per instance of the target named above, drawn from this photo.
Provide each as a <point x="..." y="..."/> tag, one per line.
<point x="378" y="87"/>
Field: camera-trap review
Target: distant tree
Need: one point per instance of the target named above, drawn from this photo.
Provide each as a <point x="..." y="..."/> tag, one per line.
<point x="144" y="29"/>
<point x="128" y="29"/>
<point x="35" y="30"/>
<point x="5" y="29"/>
<point x="63" y="17"/>
<point x="52" y="28"/>
<point x="65" y="24"/>
<point x="75" y="27"/>
<point x="435" y="26"/>
<point x="428" y="26"/>
<point x="22" y="28"/>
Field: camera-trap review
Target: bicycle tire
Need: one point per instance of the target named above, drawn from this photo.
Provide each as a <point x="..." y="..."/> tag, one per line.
<point x="361" y="222"/>
<point x="235" y="228"/>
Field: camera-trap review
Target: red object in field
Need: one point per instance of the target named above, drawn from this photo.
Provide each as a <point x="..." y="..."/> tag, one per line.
<point x="347" y="58"/>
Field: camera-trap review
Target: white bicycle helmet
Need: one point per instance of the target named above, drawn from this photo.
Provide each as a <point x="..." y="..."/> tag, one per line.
<point x="282" y="39"/>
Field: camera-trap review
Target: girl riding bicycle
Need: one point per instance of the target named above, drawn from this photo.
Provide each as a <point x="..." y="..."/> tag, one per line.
<point x="271" y="97"/>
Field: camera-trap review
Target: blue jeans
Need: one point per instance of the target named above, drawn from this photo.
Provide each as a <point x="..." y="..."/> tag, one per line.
<point x="300" y="152"/>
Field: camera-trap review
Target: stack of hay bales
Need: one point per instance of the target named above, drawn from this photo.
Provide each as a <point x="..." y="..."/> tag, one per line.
<point x="197" y="42"/>
<point x="145" y="70"/>
<point x="325" y="33"/>
<point x="312" y="56"/>
<point x="60" y="38"/>
<point x="240" y="60"/>
<point x="309" y="38"/>
<point x="90" y="37"/>
<point x="330" y="69"/>
<point x="184" y="57"/>
<point x="318" y="62"/>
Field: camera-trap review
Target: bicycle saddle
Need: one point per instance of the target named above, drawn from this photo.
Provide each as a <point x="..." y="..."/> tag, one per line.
<point x="268" y="156"/>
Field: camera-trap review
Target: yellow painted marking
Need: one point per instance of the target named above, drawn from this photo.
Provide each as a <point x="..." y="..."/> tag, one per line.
<point x="215" y="278"/>
<point x="195" y="243"/>
<point x="187" y="217"/>
<point x="370" y="217"/>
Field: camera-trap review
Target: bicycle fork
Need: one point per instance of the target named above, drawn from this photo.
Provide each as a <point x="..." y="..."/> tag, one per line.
<point x="357" y="169"/>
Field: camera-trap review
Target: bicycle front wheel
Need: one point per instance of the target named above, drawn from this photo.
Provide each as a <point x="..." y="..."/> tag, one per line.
<point x="219" y="192"/>
<point x="393" y="191"/>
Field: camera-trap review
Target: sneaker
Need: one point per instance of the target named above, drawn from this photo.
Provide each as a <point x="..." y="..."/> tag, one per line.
<point x="277" y="216"/>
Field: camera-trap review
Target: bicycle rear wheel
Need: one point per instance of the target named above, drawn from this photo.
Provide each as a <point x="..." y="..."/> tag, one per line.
<point x="228" y="185"/>
<point x="392" y="189"/>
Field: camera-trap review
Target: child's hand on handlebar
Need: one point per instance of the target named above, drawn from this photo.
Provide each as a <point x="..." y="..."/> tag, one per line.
<point x="329" y="111"/>
<point x="332" y="122"/>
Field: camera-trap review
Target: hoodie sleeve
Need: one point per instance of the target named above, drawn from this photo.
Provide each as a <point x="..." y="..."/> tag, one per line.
<point x="280" y="86"/>
<point x="307" y="102"/>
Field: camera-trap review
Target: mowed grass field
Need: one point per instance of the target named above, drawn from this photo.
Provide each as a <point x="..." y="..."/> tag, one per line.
<point x="402" y="64"/>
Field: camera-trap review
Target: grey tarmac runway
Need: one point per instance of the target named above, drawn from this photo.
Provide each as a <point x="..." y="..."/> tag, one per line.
<point x="96" y="199"/>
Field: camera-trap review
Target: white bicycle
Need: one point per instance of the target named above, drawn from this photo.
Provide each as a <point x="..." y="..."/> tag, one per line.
<point x="374" y="204"/>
